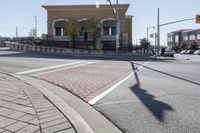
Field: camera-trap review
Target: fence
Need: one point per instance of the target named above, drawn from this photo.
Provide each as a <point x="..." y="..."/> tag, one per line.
<point x="37" y="48"/>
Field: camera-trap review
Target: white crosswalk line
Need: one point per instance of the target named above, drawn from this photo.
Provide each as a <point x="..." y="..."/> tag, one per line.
<point x="48" y="68"/>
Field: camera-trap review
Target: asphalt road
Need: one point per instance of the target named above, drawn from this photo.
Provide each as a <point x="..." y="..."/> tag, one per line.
<point x="161" y="97"/>
<point x="14" y="62"/>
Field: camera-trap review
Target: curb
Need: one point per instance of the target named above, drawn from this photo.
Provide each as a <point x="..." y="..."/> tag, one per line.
<point x="90" y="56"/>
<point x="83" y="117"/>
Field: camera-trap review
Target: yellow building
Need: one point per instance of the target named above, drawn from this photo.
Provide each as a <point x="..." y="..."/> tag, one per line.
<point x="58" y="16"/>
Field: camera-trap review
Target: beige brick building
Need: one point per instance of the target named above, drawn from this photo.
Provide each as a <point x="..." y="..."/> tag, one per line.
<point x="59" y="15"/>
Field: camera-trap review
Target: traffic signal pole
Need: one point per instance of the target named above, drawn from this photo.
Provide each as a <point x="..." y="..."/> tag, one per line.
<point x="116" y="15"/>
<point x="158" y="32"/>
<point x="160" y="25"/>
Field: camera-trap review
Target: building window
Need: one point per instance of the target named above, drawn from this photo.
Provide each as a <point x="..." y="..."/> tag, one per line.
<point x="113" y="31"/>
<point x="106" y="31"/>
<point x="58" y="31"/>
<point x="170" y="39"/>
<point x="176" y="38"/>
<point x="83" y="30"/>
<point x="109" y="27"/>
<point x="192" y="37"/>
<point x="185" y="38"/>
<point x="198" y="36"/>
<point x="59" y="27"/>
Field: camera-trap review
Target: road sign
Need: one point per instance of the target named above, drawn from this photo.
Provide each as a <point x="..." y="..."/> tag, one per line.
<point x="153" y="35"/>
<point x="198" y="19"/>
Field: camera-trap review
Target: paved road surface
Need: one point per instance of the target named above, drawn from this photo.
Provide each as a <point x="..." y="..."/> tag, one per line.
<point x="163" y="96"/>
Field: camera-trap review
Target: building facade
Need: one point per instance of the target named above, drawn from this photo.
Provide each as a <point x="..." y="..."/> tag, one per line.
<point x="59" y="15"/>
<point x="183" y="37"/>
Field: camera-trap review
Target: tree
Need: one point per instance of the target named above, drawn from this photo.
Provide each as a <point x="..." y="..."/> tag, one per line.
<point x="183" y="46"/>
<point x="144" y="44"/>
<point x="94" y="30"/>
<point x="175" y="48"/>
<point x="193" y="45"/>
<point x="72" y="28"/>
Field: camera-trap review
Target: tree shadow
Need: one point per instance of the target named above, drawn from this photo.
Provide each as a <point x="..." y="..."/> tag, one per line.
<point x="157" y="108"/>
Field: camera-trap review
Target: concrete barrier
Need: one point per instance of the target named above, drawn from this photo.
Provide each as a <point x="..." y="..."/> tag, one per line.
<point x="59" y="50"/>
<point x="81" y="51"/>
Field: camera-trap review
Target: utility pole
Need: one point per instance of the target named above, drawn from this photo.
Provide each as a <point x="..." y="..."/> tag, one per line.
<point x="116" y="14"/>
<point x="165" y="24"/>
<point x="158" y="32"/>
<point x="118" y="27"/>
<point x="35" y="26"/>
<point x="16" y="32"/>
<point x="155" y="45"/>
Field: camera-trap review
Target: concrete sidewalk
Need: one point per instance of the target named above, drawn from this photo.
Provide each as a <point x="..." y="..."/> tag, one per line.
<point x="31" y="105"/>
<point x="24" y="109"/>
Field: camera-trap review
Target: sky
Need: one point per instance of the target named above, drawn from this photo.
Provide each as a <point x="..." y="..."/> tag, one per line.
<point x="20" y="13"/>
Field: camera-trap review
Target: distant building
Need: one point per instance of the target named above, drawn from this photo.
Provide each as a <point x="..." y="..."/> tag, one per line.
<point x="175" y="38"/>
<point x="191" y="36"/>
<point x="59" y="15"/>
<point x="184" y="36"/>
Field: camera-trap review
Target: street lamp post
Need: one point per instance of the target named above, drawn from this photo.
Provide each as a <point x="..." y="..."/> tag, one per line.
<point x="116" y="14"/>
<point x="158" y="32"/>
<point x="35" y="26"/>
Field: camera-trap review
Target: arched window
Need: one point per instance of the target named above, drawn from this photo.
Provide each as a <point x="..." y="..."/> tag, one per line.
<point x="83" y="24"/>
<point x="109" y="27"/>
<point x="83" y="34"/>
<point x="59" y="27"/>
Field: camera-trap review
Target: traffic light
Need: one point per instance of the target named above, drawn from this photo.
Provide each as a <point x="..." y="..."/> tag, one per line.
<point x="198" y="19"/>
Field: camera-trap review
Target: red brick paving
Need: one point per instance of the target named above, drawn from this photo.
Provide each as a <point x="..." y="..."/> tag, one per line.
<point x="90" y="80"/>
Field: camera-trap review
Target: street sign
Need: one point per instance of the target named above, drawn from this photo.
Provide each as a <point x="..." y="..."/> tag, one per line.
<point x="152" y="35"/>
<point x="198" y="19"/>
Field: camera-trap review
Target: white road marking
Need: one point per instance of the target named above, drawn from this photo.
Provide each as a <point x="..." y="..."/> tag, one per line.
<point x="99" y="97"/>
<point x="47" y="68"/>
<point x="63" y="68"/>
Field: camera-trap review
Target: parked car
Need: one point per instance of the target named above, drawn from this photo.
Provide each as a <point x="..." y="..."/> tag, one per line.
<point x="189" y="52"/>
<point x="183" y="52"/>
<point x="169" y="53"/>
<point x="2" y="44"/>
<point x="197" y="52"/>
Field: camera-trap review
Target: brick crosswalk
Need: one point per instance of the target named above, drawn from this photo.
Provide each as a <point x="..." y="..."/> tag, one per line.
<point x="90" y="80"/>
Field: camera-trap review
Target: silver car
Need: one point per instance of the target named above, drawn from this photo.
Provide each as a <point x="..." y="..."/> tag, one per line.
<point x="169" y="53"/>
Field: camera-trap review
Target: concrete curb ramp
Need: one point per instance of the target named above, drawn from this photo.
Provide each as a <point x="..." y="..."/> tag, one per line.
<point x="83" y="117"/>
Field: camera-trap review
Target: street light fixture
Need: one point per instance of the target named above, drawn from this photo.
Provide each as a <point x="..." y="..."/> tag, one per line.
<point x="148" y="31"/>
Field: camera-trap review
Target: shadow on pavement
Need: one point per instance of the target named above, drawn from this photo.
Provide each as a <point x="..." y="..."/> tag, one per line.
<point x="29" y="54"/>
<point x="196" y="83"/>
<point x="157" y="108"/>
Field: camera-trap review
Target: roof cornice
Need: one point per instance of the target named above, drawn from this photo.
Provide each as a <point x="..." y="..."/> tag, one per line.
<point x="83" y="7"/>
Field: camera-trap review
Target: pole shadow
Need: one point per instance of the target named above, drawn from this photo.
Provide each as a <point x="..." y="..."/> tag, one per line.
<point x="157" y="108"/>
<point x="174" y="76"/>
